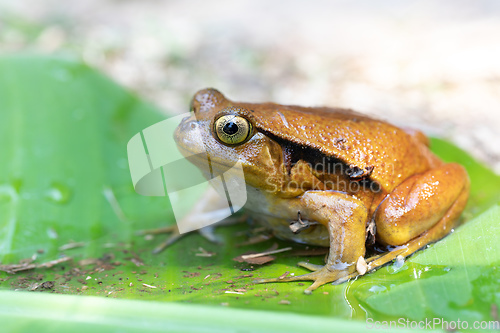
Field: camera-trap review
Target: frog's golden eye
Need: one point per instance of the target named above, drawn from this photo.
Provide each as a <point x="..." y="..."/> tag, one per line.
<point x="232" y="129"/>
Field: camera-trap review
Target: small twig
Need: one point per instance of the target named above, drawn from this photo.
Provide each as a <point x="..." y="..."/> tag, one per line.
<point x="12" y="269"/>
<point x="49" y="264"/>
<point x="256" y="239"/>
<point x="256" y="255"/>
<point x="70" y="246"/>
<point x="204" y="253"/>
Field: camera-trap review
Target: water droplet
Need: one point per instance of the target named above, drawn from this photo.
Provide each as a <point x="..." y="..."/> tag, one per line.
<point x="52" y="233"/>
<point x="377" y="289"/>
<point x="58" y="193"/>
<point x="398" y="263"/>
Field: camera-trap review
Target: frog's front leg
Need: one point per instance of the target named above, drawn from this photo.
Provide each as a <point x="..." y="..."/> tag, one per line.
<point x="345" y="217"/>
<point x="210" y="206"/>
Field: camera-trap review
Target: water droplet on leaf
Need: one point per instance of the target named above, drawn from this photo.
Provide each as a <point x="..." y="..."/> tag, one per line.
<point x="58" y="193"/>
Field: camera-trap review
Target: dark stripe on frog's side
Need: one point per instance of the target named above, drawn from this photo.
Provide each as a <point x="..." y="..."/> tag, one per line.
<point x="293" y="153"/>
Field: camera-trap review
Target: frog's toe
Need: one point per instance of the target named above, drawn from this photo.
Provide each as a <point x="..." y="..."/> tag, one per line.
<point x="284" y="279"/>
<point x="209" y="234"/>
<point x="324" y="276"/>
<point x="309" y="266"/>
<point x="319" y="277"/>
<point x="169" y="241"/>
<point x="173" y="230"/>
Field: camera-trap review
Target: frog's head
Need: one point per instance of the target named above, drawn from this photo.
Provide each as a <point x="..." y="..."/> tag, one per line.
<point x="228" y="133"/>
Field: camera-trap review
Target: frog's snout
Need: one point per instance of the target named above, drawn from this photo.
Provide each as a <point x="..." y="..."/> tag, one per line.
<point x="189" y="135"/>
<point x="186" y="128"/>
<point x="187" y="123"/>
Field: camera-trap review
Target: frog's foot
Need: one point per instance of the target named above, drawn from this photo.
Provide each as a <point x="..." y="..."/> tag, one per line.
<point x="207" y="233"/>
<point x="320" y="276"/>
<point x="173" y="237"/>
<point x="157" y="231"/>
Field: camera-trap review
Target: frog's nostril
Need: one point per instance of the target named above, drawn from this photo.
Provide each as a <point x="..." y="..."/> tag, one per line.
<point x="188" y="124"/>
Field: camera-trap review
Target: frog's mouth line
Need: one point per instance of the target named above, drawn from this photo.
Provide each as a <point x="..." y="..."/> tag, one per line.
<point x="204" y="161"/>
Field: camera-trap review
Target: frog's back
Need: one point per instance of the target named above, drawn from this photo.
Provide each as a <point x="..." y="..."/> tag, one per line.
<point x="389" y="152"/>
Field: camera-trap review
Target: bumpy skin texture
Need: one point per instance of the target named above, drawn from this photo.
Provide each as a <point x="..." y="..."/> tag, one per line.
<point x="339" y="171"/>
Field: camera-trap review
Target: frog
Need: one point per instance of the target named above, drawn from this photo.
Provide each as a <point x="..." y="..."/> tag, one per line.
<point x="331" y="177"/>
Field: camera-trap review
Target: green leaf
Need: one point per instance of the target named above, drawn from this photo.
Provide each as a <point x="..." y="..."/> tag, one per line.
<point x="456" y="278"/>
<point x="49" y="313"/>
<point x="63" y="129"/>
<point x="64" y="177"/>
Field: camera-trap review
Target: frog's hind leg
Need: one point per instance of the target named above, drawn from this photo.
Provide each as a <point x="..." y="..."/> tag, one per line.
<point x="446" y="193"/>
<point x="438" y="231"/>
<point x="430" y="205"/>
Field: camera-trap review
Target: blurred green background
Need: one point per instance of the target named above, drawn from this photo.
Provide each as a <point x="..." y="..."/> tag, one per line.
<point x="428" y="64"/>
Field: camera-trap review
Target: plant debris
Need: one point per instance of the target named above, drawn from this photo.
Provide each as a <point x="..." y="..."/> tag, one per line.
<point x="191" y="275"/>
<point x="260" y="258"/>
<point x="40" y="286"/>
<point x="136" y="259"/>
<point x="204" y="253"/>
<point x="88" y="261"/>
<point x="244" y="276"/>
<point x="494" y="312"/>
<point x="263" y="254"/>
<point x="361" y="266"/>
<point x="47" y="285"/>
<point x="255" y="240"/>
<point x="25" y="265"/>
<point x="255" y="261"/>
<point x="72" y="245"/>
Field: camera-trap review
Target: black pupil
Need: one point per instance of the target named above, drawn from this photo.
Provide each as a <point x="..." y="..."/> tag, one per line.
<point x="230" y="128"/>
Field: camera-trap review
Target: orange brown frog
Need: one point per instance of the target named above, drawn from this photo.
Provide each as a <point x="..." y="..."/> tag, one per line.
<point x="330" y="177"/>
